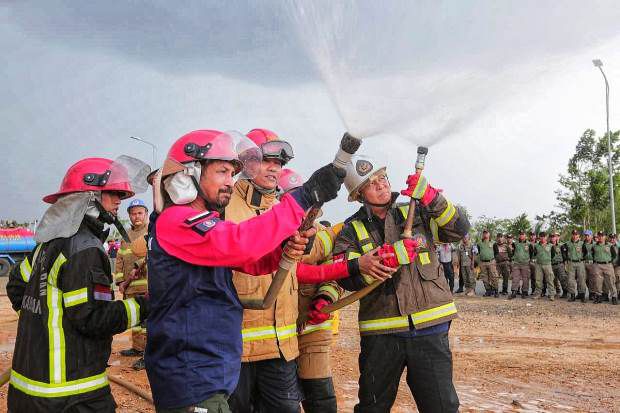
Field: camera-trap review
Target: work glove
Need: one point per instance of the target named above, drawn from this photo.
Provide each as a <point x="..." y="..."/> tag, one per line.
<point x="321" y="187"/>
<point x="145" y="307"/>
<point x="315" y="316"/>
<point x="402" y="252"/>
<point x="419" y="189"/>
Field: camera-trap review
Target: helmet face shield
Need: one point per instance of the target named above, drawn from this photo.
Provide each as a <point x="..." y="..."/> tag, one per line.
<point x="281" y="150"/>
<point x="126" y="169"/>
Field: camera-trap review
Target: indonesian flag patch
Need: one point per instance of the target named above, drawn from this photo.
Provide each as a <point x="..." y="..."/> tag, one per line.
<point x="103" y="293"/>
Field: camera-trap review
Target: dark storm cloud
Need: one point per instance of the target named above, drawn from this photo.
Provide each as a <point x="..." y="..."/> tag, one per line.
<point x="252" y="40"/>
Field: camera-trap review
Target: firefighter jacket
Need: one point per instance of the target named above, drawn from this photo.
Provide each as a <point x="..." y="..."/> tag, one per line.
<point x="315" y="339"/>
<point x="194" y="342"/>
<point x="131" y="256"/>
<point x="273" y="331"/>
<point x="67" y="317"/>
<point x="417" y="294"/>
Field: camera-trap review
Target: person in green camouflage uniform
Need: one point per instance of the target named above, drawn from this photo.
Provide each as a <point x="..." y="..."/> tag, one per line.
<point x="603" y="255"/>
<point x="466" y="253"/>
<point x="521" y="256"/>
<point x="559" y="269"/>
<point x="544" y="256"/>
<point x="588" y="243"/>
<point x="574" y="253"/>
<point x="501" y="251"/>
<point x="533" y="240"/>
<point x="488" y="270"/>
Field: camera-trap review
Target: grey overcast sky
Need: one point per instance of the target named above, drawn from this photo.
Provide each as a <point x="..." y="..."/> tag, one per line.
<point x="502" y="90"/>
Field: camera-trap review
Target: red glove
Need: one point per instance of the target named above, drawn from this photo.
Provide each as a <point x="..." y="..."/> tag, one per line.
<point x="402" y="252"/>
<point x="315" y="316"/>
<point x="418" y="188"/>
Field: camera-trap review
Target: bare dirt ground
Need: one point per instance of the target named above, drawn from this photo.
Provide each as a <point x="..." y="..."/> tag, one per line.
<point x="509" y="356"/>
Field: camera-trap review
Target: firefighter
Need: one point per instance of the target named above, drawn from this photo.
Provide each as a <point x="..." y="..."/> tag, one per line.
<point x="315" y="328"/>
<point x="194" y="342"/>
<point x="404" y="322"/>
<point x="488" y="269"/>
<point x="131" y="273"/>
<point x="67" y="311"/>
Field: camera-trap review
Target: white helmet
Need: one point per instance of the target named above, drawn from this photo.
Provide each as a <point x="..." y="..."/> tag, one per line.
<point x="359" y="171"/>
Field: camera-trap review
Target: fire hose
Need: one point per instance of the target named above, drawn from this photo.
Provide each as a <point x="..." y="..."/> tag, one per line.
<point x="348" y="146"/>
<point x="406" y="234"/>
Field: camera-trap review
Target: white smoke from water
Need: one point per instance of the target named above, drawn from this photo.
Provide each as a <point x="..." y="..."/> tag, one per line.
<point x="425" y="70"/>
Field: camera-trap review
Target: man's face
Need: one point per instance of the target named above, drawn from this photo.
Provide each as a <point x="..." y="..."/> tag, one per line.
<point x="485" y="236"/>
<point x="216" y="182"/>
<point x="111" y="200"/>
<point x="137" y="215"/>
<point x="269" y="173"/>
<point x="378" y="190"/>
<point x="521" y="237"/>
<point x="601" y="239"/>
<point x="588" y="238"/>
<point x="543" y="239"/>
<point x="575" y="237"/>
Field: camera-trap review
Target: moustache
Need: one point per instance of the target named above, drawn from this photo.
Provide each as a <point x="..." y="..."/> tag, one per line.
<point x="228" y="191"/>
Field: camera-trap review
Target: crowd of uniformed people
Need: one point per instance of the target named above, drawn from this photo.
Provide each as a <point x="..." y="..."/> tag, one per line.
<point x="584" y="267"/>
<point x="225" y="213"/>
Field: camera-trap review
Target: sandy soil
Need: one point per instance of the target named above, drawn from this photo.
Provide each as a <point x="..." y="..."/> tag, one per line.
<point x="509" y="356"/>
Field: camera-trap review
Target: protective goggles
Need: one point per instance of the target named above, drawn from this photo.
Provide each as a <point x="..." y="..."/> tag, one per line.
<point x="281" y="150"/>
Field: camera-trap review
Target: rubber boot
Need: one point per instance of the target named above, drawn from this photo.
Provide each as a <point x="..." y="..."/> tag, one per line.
<point x="614" y="300"/>
<point x="524" y="294"/>
<point x="488" y="293"/>
<point x="319" y="395"/>
<point x="604" y="298"/>
<point x="564" y="294"/>
<point x="597" y="299"/>
<point x="571" y="298"/>
<point x="495" y="293"/>
<point x="583" y="297"/>
<point x="513" y="295"/>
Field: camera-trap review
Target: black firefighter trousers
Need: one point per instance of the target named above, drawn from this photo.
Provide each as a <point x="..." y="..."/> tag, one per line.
<point x="428" y="360"/>
<point x="267" y="386"/>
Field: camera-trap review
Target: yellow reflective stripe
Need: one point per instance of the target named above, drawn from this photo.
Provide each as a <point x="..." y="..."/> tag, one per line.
<point x="367" y="247"/>
<point x="132" y="308"/>
<point x="25" y="270"/>
<point x="258" y="333"/>
<point x="118" y="276"/>
<point x="404" y="210"/>
<point x="53" y="275"/>
<point x="328" y="245"/>
<point x="329" y="290"/>
<point x="433" y="313"/>
<point x="434" y="230"/>
<point x="75" y="297"/>
<point x="325" y="325"/>
<point x="125" y="251"/>
<point x="424" y="258"/>
<point x="384" y="323"/>
<point x="420" y="188"/>
<point x="139" y="282"/>
<point x="360" y="230"/>
<point x="56" y="335"/>
<point x="446" y="215"/>
<point x="401" y="253"/>
<point x="368" y="279"/>
<point x="287" y="331"/>
<point x="353" y="255"/>
<point x="66" y="388"/>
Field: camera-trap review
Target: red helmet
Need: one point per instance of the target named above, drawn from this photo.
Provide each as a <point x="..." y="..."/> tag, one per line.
<point x="289" y="180"/>
<point x="201" y="145"/>
<point x="93" y="174"/>
<point x="271" y="145"/>
<point x="260" y="136"/>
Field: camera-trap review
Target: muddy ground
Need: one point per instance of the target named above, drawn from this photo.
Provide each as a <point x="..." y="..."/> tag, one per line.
<point x="509" y="356"/>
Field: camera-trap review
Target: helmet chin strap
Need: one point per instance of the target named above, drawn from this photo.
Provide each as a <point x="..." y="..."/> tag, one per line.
<point x="108" y="218"/>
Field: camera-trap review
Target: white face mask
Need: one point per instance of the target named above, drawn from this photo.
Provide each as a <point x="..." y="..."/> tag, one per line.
<point x="180" y="186"/>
